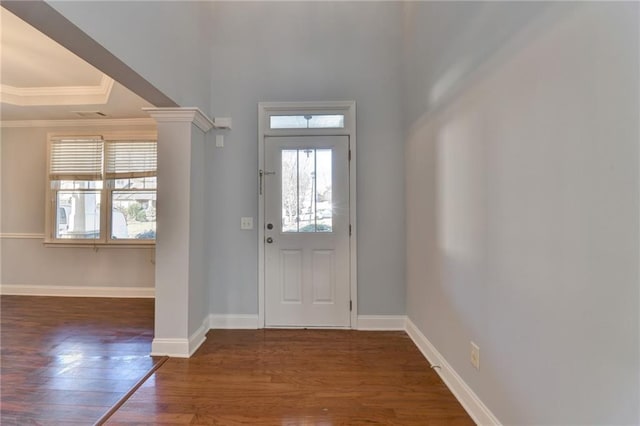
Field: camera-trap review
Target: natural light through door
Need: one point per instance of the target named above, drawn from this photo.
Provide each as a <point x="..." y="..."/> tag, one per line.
<point x="307" y="231"/>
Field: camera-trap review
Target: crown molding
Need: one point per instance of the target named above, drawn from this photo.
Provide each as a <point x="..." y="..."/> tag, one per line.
<point x="187" y="114"/>
<point x="80" y="123"/>
<point x="58" y="95"/>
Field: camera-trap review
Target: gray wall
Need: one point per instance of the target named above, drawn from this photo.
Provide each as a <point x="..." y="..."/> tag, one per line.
<point x="198" y="288"/>
<point x="167" y="42"/>
<point x="522" y="221"/>
<point x="447" y="43"/>
<point x="307" y="52"/>
<point x="225" y="57"/>
<point x="521" y="172"/>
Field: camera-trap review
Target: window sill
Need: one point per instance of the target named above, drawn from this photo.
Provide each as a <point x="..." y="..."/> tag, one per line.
<point x="95" y="245"/>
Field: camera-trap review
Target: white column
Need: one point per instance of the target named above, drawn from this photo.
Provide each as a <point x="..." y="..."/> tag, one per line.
<point x="180" y="315"/>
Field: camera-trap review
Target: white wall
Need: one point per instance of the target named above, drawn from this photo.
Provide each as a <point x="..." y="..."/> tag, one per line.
<point x="522" y="222"/>
<point x="25" y="261"/>
<point x="307" y="51"/>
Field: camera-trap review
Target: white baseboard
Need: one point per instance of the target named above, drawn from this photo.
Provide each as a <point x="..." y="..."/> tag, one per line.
<point x="469" y="400"/>
<point x="381" y="322"/>
<point x="76" y="291"/>
<point x="178" y="348"/>
<point x="232" y="321"/>
<point x="181" y="348"/>
<point x="199" y="336"/>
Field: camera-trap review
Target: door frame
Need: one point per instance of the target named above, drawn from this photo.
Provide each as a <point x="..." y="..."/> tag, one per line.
<point x="348" y="108"/>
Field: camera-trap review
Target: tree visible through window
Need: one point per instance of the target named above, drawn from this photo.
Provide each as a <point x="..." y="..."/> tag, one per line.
<point x="306" y="190"/>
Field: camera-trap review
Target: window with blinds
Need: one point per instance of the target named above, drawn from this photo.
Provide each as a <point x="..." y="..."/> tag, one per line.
<point x="131" y="159"/>
<point x="102" y="191"/>
<point x="76" y="159"/>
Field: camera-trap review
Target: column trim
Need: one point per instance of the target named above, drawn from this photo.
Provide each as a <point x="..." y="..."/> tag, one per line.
<point x="188" y="114"/>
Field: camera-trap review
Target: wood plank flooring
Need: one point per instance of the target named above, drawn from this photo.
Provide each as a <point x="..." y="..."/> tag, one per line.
<point x="69" y="360"/>
<point x="66" y="361"/>
<point x="296" y="377"/>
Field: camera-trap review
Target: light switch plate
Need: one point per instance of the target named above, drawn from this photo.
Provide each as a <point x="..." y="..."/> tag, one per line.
<point x="246" y="223"/>
<point x="475" y="356"/>
<point x="219" y="141"/>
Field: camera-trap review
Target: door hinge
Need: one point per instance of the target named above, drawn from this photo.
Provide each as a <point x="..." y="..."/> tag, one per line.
<point x="349" y="155"/>
<point x="349" y="229"/>
<point x="350" y="305"/>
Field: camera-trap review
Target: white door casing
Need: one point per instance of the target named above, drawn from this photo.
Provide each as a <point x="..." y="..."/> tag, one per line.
<point x="307" y="231"/>
<point x="323" y="256"/>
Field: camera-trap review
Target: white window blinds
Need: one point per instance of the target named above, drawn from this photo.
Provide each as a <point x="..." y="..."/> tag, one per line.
<point x="76" y="159"/>
<point x="131" y="159"/>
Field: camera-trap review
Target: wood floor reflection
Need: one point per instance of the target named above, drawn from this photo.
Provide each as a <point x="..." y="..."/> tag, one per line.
<point x="296" y="377"/>
<point x="69" y="360"/>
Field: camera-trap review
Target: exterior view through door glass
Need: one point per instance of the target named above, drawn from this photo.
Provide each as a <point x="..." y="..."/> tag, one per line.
<point x="306" y="190"/>
<point x="307" y="231"/>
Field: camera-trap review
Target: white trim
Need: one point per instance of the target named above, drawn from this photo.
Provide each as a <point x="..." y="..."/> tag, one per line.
<point x="463" y="393"/>
<point x="348" y="108"/>
<point x="80" y="123"/>
<point x="199" y="336"/>
<point x="231" y="321"/>
<point x="181" y="348"/>
<point x="187" y="114"/>
<point x="262" y="125"/>
<point x="381" y="322"/>
<point x="21" y="236"/>
<point x="350" y="122"/>
<point x="58" y="95"/>
<point x="178" y="348"/>
<point x="76" y="291"/>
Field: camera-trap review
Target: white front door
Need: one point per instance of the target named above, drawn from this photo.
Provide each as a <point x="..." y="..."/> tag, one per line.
<point x="307" y="231"/>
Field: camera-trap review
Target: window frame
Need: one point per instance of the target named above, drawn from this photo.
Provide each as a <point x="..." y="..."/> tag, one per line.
<point x="104" y="240"/>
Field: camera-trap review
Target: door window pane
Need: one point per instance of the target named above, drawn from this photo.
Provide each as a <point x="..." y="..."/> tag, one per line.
<point x="306" y="190"/>
<point x="289" y="190"/>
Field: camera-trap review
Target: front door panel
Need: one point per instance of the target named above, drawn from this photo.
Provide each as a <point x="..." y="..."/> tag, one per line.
<point x="307" y="231"/>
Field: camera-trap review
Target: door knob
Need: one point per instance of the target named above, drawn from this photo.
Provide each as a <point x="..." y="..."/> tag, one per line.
<point x="269" y="240"/>
<point x="269" y="225"/>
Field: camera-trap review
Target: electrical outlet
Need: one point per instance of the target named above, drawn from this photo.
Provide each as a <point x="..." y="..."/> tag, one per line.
<point x="475" y="356"/>
<point x="246" y="223"/>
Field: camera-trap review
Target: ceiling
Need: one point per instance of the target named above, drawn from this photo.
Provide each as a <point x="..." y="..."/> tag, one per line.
<point x="41" y="80"/>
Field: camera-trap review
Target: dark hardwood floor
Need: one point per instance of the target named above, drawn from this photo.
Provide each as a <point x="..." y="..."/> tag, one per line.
<point x="296" y="377"/>
<point x="69" y="360"/>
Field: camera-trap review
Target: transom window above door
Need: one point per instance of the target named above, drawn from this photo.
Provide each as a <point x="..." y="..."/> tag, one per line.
<point x="307" y="121"/>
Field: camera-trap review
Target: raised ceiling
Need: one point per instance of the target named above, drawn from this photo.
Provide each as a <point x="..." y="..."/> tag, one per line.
<point x="41" y="80"/>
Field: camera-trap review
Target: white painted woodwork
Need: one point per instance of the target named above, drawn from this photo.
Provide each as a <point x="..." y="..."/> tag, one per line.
<point x="181" y="292"/>
<point x="307" y="273"/>
<point x="348" y="109"/>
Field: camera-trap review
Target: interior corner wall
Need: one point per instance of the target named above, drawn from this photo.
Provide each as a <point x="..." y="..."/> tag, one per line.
<point x="25" y="260"/>
<point x="306" y="51"/>
<point x="522" y="223"/>
<point x="166" y="42"/>
<point x="198" y="288"/>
